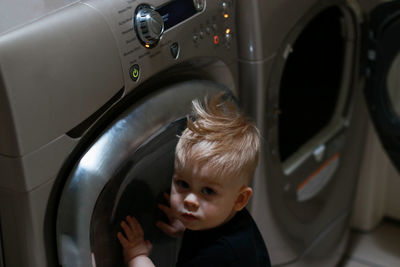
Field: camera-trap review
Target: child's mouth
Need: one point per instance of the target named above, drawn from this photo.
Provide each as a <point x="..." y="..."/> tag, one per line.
<point x="189" y="217"/>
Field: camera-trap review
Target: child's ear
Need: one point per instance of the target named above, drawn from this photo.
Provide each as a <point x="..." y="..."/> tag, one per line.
<point x="243" y="197"/>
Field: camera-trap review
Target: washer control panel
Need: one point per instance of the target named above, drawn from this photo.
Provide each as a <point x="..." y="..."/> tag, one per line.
<point x="156" y="34"/>
<point x="217" y="29"/>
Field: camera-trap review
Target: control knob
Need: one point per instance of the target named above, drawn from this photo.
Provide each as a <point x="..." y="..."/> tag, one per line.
<point x="149" y="25"/>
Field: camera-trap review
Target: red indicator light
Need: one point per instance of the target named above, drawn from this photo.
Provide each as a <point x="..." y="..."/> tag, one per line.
<point x="216" y="39"/>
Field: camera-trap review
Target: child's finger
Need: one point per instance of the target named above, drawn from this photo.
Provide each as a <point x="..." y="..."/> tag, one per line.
<point x="135" y="226"/>
<point x="166" y="210"/>
<point x="122" y="239"/>
<point x="166" y="228"/>
<point x="149" y="246"/>
<point x="128" y="232"/>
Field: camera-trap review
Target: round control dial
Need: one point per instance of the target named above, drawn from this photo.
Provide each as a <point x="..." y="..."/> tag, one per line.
<point x="149" y="25"/>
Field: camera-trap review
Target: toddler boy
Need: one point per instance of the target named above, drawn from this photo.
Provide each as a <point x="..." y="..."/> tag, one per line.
<point x="215" y="160"/>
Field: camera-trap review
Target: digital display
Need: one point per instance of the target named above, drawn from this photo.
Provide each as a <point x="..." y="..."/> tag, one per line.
<point x="176" y="11"/>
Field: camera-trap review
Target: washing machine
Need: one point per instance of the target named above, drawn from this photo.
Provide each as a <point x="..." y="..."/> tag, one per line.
<point x="93" y="97"/>
<point x="307" y="64"/>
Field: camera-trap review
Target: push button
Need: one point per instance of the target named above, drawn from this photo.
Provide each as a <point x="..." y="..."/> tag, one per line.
<point x="174" y="48"/>
<point x="195" y="38"/>
<point x="216" y="40"/>
<point x="134" y="72"/>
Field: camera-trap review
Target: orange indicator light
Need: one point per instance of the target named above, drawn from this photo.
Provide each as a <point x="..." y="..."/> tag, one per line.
<point x="226" y="15"/>
<point x="216" y="39"/>
<point x="227" y="30"/>
<point x="147" y="45"/>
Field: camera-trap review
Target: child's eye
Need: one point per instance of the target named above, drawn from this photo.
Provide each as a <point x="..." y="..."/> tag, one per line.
<point x="208" y="191"/>
<point x="182" y="184"/>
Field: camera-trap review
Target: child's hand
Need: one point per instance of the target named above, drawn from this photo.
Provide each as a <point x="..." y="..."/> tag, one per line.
<point x="175" y="228"/>
<point x="133" y="244"/>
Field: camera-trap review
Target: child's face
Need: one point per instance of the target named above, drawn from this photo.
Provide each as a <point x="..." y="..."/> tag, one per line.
<point x="201" y="201"/>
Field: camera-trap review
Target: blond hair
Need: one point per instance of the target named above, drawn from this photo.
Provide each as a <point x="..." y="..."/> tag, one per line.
<point x="221" y="137"/>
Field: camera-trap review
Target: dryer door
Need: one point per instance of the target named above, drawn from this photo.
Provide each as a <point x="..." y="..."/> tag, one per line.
<point x="125" y="172"/>
<point x="382" y="89"/>
<point x="313" y="143"/>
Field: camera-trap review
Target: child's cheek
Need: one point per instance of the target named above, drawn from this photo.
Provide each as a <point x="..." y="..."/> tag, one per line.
<point x="209" y="208"/>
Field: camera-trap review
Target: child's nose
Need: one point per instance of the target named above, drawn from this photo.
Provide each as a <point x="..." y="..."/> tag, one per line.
<point x="190" y="202"/>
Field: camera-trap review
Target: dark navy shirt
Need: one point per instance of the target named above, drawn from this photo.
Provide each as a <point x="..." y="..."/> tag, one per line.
<point x="235" y="243"/>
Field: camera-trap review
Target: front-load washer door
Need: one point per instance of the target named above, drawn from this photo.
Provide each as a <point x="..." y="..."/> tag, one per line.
<point x="382" y="88"/>
<point x="125" y="171"/>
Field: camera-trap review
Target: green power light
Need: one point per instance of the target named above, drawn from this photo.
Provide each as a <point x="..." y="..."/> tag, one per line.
<point x="134" y="72"/>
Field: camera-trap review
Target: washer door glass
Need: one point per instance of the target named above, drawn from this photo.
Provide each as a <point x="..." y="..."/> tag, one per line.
<point x="136" y="189"/>
<point x="382" y="89"/>
<point x="125" y="171"/>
